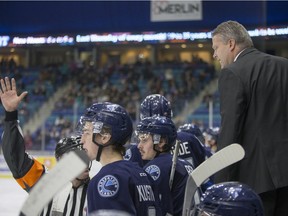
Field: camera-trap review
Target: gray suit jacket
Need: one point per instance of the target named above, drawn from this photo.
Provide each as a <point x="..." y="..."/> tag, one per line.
<point x="254" y="113"/>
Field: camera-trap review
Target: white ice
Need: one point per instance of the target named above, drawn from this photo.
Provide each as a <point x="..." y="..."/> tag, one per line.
<point x="12" y="197"/>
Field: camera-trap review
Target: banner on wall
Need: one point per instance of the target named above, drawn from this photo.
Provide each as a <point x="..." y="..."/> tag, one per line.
<point x="162" y="10"/>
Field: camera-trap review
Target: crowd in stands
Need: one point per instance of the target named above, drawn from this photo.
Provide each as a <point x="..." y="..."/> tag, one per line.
<point x="125" y="84"/>
<point x="7" y="64"/>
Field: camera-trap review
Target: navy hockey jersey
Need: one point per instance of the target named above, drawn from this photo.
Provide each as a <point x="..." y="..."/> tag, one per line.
<point x="123" y="186"/>
<point x="159" y="169"/>
<point x="191" y="149"/>
<point x="133" y="154"/>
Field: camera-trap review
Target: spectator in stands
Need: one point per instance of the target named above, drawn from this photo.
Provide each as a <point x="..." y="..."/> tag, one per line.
<point x="39" y="89"/>
<point x="24" y="112"/>
<point x="110" y="84"/>
<point x="60" y="121"/>
<point x="253" y="90"/>
<point x="28" y="140"/>
<point x="12" y="64"/>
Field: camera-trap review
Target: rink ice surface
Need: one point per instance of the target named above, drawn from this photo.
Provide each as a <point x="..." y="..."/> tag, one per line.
<point x="12" y="197"/>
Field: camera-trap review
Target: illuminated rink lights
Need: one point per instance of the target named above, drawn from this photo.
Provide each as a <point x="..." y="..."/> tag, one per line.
<point x="268" y="32"/>
<point x="154" y="37"/>
<point x="4" y="41"/>
<point x="43" y="40"/>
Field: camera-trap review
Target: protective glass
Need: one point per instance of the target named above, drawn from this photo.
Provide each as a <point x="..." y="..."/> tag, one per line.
<point x="82" y="125"/>
<point x="143" y="136"/>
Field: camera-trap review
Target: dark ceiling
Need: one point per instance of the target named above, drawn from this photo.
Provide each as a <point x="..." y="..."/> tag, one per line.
<point x="59" y="17"/>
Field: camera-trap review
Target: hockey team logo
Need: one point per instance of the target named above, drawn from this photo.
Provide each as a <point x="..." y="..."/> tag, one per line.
<point x="153" y="171"/>
<point x="108" y="186"/>
<point x="128" y="155"/>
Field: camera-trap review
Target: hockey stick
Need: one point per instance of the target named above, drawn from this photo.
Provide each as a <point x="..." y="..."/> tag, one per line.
<point x="221" y="159"/>
<point x="68" y="168"/>
<point x="174" y="163"/>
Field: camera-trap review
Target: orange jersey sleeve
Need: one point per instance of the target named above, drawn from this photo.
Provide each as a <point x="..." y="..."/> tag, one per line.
<point x="32" y="176"/>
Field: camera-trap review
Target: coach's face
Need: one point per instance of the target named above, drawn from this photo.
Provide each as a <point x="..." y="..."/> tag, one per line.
<point x="223" y="50"/>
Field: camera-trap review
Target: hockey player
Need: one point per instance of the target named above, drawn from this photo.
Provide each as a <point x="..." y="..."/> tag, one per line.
<point x="120" y="184"/>
<point x="154" y="104"/>
<point x="190" y="137"/>
<point x="211" y="138"/>
<point x="156" y="136"/>
<point x="27" y="170"/>
<point x="229" y="199"/>
<point x="190" y="148"/>
<point x="193" y="129"/>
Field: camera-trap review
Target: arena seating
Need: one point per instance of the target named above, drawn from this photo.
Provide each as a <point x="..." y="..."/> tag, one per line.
<point x="127" y="85"/>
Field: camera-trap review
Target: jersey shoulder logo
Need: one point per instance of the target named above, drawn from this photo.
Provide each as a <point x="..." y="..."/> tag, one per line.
<point x="128" y="154"/>
<point x="108" y="186"/>
<point x="153" y="171"/>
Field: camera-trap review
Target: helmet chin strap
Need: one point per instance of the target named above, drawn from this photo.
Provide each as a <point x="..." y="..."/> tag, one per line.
<point x="90" y="165"/>
<point x="165" y="149"/>
<point x="83" y="181"/>
<point x="99" y="152"/>
<point x="157" y="151"/>
<point x="100" y="147"/>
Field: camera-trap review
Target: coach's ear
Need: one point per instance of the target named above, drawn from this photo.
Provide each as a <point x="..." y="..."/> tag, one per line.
<point x="232" y="44"/>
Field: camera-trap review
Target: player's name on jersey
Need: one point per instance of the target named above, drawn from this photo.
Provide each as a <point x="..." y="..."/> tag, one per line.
<point x="145" y="193"/>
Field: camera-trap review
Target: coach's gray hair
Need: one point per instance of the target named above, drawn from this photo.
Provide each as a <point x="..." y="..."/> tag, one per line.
<point x="233" y="30"/>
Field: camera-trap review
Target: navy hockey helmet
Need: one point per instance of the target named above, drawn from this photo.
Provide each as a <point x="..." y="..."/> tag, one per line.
<point x="66" y="145"/>
<point x="212" y="133"/>
<point x="155" y="104"/>
<point x="192" y="129"/>
<point x="109" y="116"/>
<point x="230" y="199"/>
<point x="160" y="126"/>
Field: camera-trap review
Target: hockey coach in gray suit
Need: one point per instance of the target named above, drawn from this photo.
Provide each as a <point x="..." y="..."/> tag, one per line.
<point x="253" y="89"/>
